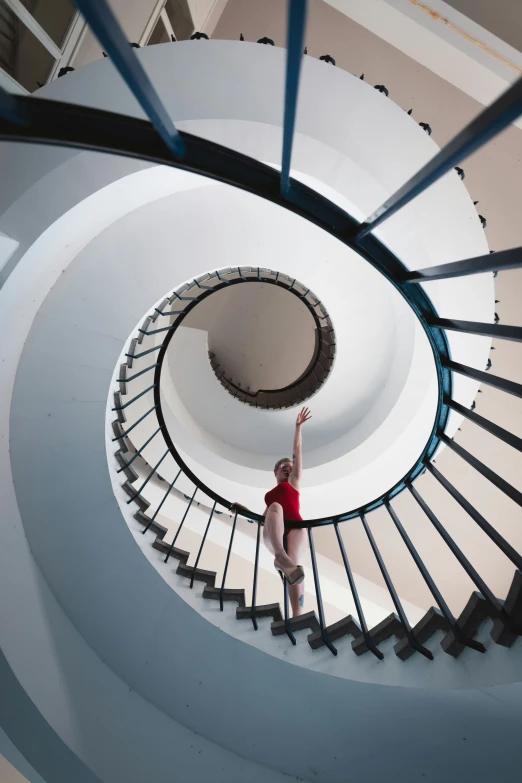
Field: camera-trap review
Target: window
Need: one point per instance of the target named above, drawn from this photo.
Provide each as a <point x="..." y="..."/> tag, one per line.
<point x="37" y="38"/>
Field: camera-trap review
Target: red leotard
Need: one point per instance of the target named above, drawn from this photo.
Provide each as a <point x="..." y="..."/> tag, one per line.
<point x="285" y="494"/>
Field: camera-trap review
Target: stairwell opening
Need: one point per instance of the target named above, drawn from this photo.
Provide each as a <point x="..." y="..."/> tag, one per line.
<point x="271" y="342"/>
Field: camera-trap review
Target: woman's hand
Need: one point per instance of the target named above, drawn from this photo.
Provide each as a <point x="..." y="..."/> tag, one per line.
<point x="238" y="507"/>
<point x="304" y="415"/>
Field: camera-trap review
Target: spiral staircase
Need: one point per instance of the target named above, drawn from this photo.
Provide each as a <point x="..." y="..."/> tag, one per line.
<point x="145" y="635"/>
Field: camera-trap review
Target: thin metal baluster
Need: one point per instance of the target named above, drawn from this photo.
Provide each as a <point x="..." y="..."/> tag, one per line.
<point x="499" y="331"/>
<point x="171" y="548"/>
<point x="318" y="595"/>
<point x="227" y="282"/>
<point x="485" y="377"/>
<point x="171" y="328"/>
<point x="444" y="608"/>
<point x="471" y="572"/>
<point x="488" y="529"/>
<point x="222" y="590"/>
<point x="394" y="596"/>
<point x="154" y="469"/>
<point x="295" y="44"/>
<point x="171" y="312"/>
<point x="167" y="493"/>
<point x="288" y="628"/>
<point x="504" y="259"/>
<point x="495" y="479"/>
<point x="202" y="544"/>
<point x="360" y="614"/>
<point x="489" y="426"/>
<point x="254" y="587"/>
<point x="122" y="407"/>
<point x="139" y="452"/>
<point x="144" y="353"/>
<point x="103" y="23"/>
<point x="124" y="434"/>
<point x="137" y="375"/>
<point x="488" y="124"/>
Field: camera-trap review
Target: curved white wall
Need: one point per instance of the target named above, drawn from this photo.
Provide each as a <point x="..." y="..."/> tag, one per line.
<point x="91" y="603"/>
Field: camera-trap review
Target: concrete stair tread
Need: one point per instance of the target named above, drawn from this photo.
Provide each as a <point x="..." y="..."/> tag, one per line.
<point x="229" y="594"/>
<point x="264" y="610"/>
<point x="307" y="620"/>
<point x="390" y="626"/>
<point x="335" y="631"/>
<point x="200" y="574"/>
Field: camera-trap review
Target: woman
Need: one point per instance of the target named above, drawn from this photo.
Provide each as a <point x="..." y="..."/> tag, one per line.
<point x="282" y="505"/>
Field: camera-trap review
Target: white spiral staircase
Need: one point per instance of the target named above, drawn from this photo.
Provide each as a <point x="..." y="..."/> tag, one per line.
<point x="114" y="669"/>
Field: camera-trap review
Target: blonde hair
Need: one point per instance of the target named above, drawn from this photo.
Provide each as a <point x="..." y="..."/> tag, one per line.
<point x="280" y="462"/>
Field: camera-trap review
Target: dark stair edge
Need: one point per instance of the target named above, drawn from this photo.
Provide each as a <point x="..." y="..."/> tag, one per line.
<point x="138" y="499"/>
<point x="200" y="574"/>
<point x="144" y="328"/>
<point x="307" y="620"/>
<point x="431" y="622"/>
<point x="471" y="618"/>
<point x="229" y="594"/>
<point x="347" y="625"/>
<point x="132" y="351"/>
<point x="390" y="626"/>
<point x="500" y="633"/>
<point x="122" y="418"/>
<point x="264" y="610"/>
<point x="127" y="470"/>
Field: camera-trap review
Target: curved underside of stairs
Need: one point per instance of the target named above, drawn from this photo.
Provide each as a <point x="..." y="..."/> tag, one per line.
<point x="119" y="663"/>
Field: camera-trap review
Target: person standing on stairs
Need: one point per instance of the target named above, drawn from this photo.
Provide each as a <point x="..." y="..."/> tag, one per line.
<point x="282" y="505"/>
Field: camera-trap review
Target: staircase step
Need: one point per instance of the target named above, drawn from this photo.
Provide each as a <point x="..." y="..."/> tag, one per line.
<point x="471" y="618"/>
<point x="390" y="626"/>
<point x="229" y="594"/>
<point x="264" y="610"/>
<point x="500" y="633"/>
<point x="306" y="620"/>
<point x="138" y="499"/>
<point x="161" y="307"/>
<point x="122" y="376"/>
<point x="179" y="554"/>
<point x="128" y="470"/>
<point x="341" y="628"/>
<point x="132" y="351"/>
<point x="118" y="433"/>
<point x="144" y="328"/>
<point x="146" y="521"/>
<point x="117" y="404"/>
<point x="432" y="621"/>
<point x="200" y="575"/>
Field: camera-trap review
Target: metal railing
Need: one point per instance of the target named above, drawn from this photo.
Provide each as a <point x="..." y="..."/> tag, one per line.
<point x="49" y="122"/>
<point x="319" y="366"/>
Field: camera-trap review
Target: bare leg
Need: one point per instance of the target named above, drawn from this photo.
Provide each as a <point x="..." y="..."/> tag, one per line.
<point x="273" y="532"/>
<point x="296" y="547"/>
